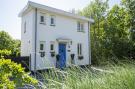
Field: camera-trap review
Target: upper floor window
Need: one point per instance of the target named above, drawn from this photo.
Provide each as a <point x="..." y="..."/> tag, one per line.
<point x="52" y="20"/>
<point x="25" y="27"/>
<point x="80" y="27"/>
<point x="42" y="19"/>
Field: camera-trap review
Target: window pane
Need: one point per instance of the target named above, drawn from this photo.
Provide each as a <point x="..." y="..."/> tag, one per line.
<point x="52" y="47"/>
<point x="41" y="18"/>
<point x="41" y="46"/>
<point x="78" y="26"/>
<point x="82" y="27"/>
<point x="52" y="20"/>
<point x="25" y="27"/>
<point x="78" y="49"/>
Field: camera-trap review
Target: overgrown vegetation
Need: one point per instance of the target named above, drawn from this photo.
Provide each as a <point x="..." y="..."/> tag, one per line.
<point x="12" y="75"/>
<point x="120" y="76"/>
<point x="112" y="33"/>
<point x="10" y="44"/>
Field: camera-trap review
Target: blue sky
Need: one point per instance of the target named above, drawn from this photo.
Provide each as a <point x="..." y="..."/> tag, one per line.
<point x="11" y="23"/>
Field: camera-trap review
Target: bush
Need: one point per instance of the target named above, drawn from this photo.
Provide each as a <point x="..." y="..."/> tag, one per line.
<point x="12" y="75"/>
<point x="4" y="53"/>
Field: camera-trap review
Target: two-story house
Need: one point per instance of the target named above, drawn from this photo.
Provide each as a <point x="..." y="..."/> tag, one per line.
<point x="53" y="37"/>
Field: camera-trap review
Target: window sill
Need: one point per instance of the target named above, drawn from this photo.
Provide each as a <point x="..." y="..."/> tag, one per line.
<point x="43" y="23"/>
<point x="81" y="31"/>
<point x="52" y="25"/>
<point x="52" y="51"/>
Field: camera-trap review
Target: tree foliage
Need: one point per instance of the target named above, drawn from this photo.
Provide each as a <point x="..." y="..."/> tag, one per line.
<point x="8" y="43"/>
<point x="113" y="33"/>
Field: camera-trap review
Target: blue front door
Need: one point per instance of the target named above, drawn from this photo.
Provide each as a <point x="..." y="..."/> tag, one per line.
<point x="62" y="53"/>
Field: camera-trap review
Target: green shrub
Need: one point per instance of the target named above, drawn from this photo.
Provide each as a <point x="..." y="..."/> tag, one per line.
<point x="5" y="52"/>
<point x="12" y="75"/>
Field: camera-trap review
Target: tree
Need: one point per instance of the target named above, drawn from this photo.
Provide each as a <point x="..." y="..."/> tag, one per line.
<point x="116" y="40"/>
<point x="97" y="10"/>
<point x="8" y="43"/>
<point x="129" y="5"/>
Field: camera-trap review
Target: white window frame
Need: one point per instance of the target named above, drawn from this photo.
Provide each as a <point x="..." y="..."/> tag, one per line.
<point x="54" y="20"/>
<point x="42" y="42"/>
<point x="79" y="49"/>
<point x="80" y="26"/>
<point x="41" y="51"/>
<point x="44" y="18"/>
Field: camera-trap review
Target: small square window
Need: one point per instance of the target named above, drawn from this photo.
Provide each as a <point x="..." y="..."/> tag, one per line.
<point x="80" y="27"/>
<point x="41" y="18"/>
<point x="52" y="46"/>
<point x="41" y="46"/>
<point x="52" y="21"/>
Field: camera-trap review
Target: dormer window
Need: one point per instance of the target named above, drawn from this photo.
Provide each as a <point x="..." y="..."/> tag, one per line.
<point x="80" y="27"/>
<point x="52" y="20"/>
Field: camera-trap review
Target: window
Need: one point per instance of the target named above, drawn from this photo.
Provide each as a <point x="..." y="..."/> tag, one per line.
<point x="52" y="46"/>
<point x="52" y="20"/>
<point x="79" y="49"/>
<point x="42" y="46"/>
<point x="42" y="49"/>
<point x="25" y="27"/>
<point x="42" y="18"/>
<point x="80" y="27"/>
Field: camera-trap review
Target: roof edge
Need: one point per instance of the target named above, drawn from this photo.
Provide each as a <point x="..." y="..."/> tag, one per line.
<point x="54" y="10"/>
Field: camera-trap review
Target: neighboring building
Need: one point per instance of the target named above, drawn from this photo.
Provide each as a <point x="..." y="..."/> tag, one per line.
<point x="50" y="36"/>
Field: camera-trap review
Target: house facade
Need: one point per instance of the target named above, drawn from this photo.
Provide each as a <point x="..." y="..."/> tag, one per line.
<point x="54" y="38"/>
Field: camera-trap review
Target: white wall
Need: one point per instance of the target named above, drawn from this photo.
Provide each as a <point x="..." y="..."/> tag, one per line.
<point x="26" y="38"/>
<point x="66" y="27"/>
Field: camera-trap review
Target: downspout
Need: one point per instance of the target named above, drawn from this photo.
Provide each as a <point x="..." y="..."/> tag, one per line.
<point x="35" y="40"/>
<point x="89" y="43"/>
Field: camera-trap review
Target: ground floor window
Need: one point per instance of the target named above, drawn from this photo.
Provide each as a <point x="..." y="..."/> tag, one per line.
<point x="52" y="46"/>
<point x="42" y="48"/>
<point x="79" y="49"/>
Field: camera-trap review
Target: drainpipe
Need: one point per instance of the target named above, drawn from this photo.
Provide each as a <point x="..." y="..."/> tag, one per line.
<point x="35" y="41"/>
<point x="89" y="43"/>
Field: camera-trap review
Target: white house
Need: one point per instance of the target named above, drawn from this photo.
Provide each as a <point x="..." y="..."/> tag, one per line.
<point x="53" y="37"/>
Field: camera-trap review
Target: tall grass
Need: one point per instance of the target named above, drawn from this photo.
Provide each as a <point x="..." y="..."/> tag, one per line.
<point x="117" y="77"/>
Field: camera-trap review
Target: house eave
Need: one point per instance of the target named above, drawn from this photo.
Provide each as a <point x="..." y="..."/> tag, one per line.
<point x="53" y="10"/>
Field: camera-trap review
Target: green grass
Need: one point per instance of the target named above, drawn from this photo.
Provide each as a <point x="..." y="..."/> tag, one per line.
<point x="120" y="76"/>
